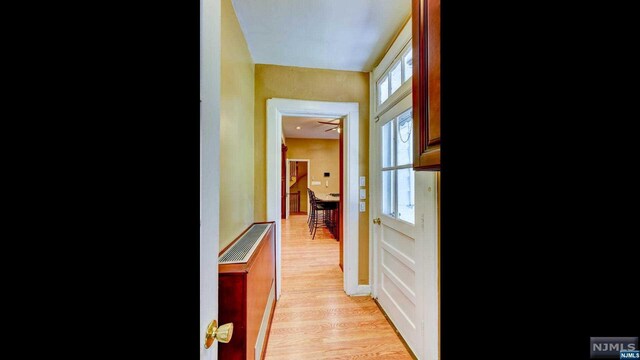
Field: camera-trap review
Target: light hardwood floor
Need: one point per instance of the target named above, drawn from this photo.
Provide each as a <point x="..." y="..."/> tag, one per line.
<point x="314" y="318"/>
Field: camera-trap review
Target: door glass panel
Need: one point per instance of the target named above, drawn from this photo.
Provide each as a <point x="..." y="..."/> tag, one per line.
<point x="387" y="144"/>
<point x="388" y="192"/>
<point x="397" y="188"/>
<point x="406" y="195"/>
<point x="408" y="65"/>
<point x="396" y="77"/>
<point x="404" y="140"/>
<point x="384" y="90"/>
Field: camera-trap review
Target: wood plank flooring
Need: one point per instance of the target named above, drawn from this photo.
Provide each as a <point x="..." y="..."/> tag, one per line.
<point x="314" y="318"/>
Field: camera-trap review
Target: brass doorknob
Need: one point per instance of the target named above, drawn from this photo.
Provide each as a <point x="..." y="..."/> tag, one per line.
<point x="376" y="221"/>
<point x="222" y="333"/>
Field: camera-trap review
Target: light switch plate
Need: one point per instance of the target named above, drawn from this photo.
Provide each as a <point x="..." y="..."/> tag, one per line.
<point x="363" y="193"/>
<point x="315" y="183"/>
<point x="362" y="181"/>
<point x="362" y="206"/>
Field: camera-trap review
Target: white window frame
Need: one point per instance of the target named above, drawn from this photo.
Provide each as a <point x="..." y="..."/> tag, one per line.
<point x="405" y="85"/>
<point x="396" y="167"/>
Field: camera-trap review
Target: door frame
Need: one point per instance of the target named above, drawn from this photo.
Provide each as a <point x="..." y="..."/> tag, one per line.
<point x="278" y="107"/>
<point x="429" y="250"/>
<point x="308" y="161"/>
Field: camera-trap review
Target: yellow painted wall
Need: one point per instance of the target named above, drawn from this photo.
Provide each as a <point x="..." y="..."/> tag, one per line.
<point x="273" y="81"/>
<point x="325" y="157"/>
<point x="236" y="129"/>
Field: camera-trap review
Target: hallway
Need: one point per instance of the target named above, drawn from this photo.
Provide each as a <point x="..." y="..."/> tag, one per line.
<point x="314" y="318"/>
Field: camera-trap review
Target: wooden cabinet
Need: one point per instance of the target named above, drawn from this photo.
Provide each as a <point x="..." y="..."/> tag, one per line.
<point x="426" y="84"/>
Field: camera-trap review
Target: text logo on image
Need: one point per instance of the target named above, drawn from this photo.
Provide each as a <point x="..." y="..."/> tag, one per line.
<point x="613" y="347"/>
<point x="629" y="354"/>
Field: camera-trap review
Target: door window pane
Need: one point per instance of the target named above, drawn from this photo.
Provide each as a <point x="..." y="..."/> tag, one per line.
<point x="398" y="177"/>
<point x="396" y="77"/>
<point x="387" y="144"/>
<point x="406" y="195"/>
<point x="384" y="90"/>
<point x="408" y="65"/>
<point x="388" y="192"/>
<point x="404" y="140"/>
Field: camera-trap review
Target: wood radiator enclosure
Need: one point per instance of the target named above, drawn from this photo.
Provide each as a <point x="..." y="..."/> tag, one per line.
<point x="246" y="297"/>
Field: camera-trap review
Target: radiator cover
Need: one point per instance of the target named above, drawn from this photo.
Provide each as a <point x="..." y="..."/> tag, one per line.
<point x="247" y="279"/>
<point x="242" y="249"/>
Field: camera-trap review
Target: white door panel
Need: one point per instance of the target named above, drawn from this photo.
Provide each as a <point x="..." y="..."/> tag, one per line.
<point x="394" y="203"/>
<point x="404" y="270"/>
<point x="399" y="241"/>
<point x="399" y="299"/>
<point x="401" y="286"/>
<point x="398" y="296"/>
<point x="399" y="225"/>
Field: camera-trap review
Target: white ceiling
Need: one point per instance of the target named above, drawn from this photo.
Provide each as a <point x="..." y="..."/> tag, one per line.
<point x="310" y="128"/>
<point x="324" y="34"/>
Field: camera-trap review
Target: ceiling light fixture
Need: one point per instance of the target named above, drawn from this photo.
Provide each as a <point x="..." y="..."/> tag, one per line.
<point x="297" y="127"/>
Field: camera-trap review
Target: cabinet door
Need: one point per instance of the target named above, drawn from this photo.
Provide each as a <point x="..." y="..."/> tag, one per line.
<point x="426" y="83"/>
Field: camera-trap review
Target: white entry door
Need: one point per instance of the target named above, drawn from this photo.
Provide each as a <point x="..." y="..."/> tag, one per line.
<point x="396" y="261"/>
<point x="209" y="169"/>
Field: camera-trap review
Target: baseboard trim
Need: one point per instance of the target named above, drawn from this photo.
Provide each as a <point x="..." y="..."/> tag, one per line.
<point x="363" y="290"/>
<point x="266" y="337"/>
<point x="413" y="356"/>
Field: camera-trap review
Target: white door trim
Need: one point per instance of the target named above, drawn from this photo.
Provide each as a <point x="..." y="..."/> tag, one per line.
<point x="276" y="108"/>
<point x="308" y="161"/>
<point x="427" y="248"/>
<point x="210" y="20"/>
<point x="372" y="189"/>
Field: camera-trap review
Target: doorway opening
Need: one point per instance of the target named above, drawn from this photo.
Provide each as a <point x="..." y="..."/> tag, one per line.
<point x="349" y="190"/>
<point x="298" y="175"/>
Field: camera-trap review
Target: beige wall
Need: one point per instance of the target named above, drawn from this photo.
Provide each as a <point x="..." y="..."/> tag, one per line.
<point x="236" y="129"/>
<point x="272" y="81"/>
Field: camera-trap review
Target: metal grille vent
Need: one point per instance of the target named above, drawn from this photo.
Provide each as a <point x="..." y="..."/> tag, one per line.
<point x="242" y="249"/>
